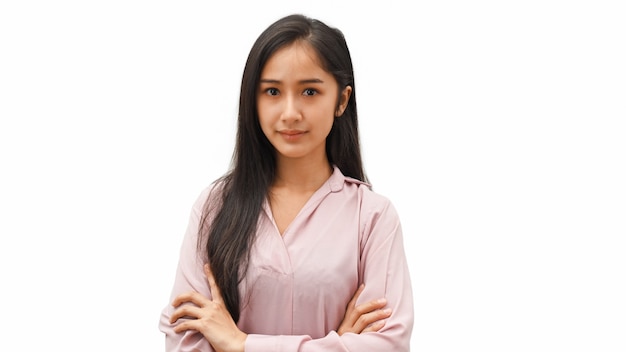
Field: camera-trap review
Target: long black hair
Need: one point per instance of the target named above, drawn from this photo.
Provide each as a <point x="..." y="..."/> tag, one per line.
<point x="230" y="216"/>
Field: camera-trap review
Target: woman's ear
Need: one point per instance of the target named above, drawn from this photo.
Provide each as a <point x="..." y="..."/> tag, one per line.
<point x="344" y="98"/>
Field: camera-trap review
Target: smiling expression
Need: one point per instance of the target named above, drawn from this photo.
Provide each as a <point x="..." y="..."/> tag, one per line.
<point x="297" y="103"/>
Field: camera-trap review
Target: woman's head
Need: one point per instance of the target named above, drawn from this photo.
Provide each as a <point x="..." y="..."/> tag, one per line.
<point x="253" y="149"/>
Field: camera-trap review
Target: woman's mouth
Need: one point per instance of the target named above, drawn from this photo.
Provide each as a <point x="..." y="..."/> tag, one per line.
<point x="291" y="135"/>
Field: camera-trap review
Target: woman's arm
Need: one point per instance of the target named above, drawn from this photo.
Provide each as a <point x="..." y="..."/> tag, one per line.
<point x="385" y="273"/>
<point x="189" y="277"/>
<point x="211" y="318"/>
<point x="366" y="317"/>
<point x="383" y="269"/>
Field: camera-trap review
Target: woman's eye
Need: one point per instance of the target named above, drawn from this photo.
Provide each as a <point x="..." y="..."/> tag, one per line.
<point x="271" y="91"/>
<point x="309" y="92"/>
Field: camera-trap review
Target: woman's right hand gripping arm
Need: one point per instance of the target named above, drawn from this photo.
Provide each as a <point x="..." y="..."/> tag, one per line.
<point x="366" y="317"/>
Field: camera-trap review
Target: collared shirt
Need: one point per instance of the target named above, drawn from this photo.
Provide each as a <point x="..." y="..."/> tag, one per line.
<point x="298" y="284"/>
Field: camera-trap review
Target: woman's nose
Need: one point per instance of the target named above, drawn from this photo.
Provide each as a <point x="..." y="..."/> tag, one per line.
<point x="291" y="109"/>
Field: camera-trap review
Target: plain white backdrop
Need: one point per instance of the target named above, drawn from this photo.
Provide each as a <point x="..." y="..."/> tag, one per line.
<point x="496" y="128"/>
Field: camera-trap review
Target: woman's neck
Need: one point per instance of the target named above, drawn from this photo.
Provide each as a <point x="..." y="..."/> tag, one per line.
<point x="301" y="175"/>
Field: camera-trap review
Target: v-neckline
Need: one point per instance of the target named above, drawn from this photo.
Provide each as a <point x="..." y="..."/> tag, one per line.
<point x="313" y="198"/>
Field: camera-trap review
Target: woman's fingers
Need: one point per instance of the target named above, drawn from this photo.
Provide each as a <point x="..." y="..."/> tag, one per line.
<point x="356" y="295"/>
<point x="370" y="306"/>
<point x="208" y="316"/>
<point x="365" y="317"/>
<point x="215" y="291"/>
<point x="367" y="320"/>
<point x="374" y="327"/>
<point x="191" y="297"/>
<point x="352" y="313"/>
<point x="198" y="300"/>
<point x="186" y="311"/>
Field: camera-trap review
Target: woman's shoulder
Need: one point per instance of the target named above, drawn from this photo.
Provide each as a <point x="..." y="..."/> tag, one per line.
<point x="378" y="216"/>
<point x="210" y="194"/>
<point x="368" y="197"/>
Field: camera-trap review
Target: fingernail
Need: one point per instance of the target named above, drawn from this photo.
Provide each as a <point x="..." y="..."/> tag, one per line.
<point x="387" y="311"/>
<point x="382" y="300"/>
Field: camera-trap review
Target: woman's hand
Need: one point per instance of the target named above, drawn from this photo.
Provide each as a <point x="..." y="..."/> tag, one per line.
<point x="209" y="317"/>
<point x="366" y="317"/>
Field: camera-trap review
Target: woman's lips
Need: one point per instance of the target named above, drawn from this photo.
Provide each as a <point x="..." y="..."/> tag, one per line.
<point x="291" y="135"/>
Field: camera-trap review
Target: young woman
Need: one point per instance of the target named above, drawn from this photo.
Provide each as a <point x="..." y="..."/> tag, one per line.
<point x="291" y="250"/>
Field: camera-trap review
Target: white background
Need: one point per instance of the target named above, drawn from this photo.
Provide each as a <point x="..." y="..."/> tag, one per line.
<point x="495" y="127"/>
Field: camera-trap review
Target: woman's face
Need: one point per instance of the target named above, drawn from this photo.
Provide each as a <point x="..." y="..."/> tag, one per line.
<point x="297" y="103"/>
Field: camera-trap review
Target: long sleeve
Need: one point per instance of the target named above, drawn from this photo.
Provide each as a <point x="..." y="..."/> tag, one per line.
<point x="189" y="277"/>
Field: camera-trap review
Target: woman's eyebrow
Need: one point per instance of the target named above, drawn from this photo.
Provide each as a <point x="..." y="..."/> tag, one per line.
<point x="311" y="80"/>
<point x="303" y="81"/>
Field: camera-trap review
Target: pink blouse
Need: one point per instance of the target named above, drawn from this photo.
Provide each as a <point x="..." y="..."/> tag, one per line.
<point x="297" y="286"/>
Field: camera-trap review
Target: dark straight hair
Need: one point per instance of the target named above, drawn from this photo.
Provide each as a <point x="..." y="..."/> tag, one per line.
<point x="230" y="216"/>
